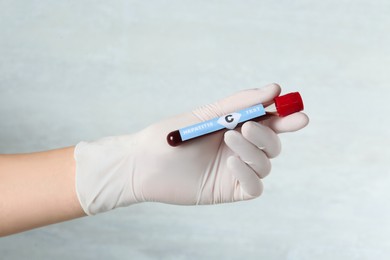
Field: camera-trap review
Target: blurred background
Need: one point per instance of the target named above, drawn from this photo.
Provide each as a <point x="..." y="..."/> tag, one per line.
<point x="81" y="70"/>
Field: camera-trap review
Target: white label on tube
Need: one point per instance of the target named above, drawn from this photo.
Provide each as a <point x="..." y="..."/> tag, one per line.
<point x="229" y="121"/>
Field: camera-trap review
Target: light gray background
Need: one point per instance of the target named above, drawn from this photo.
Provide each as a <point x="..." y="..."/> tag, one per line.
<point x="80" y="70"/>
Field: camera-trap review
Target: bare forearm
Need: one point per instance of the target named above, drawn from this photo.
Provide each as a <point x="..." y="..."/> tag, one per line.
<point x="37" y="189"/>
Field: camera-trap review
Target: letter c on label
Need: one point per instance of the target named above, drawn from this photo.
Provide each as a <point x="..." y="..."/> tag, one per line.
<point x="229" y="118"/>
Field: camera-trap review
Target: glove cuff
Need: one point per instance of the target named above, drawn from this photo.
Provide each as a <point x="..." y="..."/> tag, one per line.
<point x="104" y="174"/>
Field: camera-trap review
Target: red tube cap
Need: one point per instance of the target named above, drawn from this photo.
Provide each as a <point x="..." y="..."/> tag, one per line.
<point x="289" y="104"/>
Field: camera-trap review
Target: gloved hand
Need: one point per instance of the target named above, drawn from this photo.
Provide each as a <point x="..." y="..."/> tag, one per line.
<point x="221" y="167"/>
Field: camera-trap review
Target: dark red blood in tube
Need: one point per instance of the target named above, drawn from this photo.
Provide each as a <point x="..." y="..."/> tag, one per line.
<point x="174" y="138"/>
<point x="285" y="105"/>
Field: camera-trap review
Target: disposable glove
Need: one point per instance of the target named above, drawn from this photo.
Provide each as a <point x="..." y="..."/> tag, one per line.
<point x="221" y="167"/>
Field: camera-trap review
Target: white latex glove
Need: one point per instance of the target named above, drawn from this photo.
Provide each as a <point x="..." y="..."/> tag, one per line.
<point x="221" y="167"/>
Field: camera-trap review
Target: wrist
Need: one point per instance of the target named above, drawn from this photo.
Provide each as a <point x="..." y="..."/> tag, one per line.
<point x="105" y="174"/>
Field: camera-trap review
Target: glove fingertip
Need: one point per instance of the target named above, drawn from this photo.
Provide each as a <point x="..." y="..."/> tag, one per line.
<point x="289" y="123"/>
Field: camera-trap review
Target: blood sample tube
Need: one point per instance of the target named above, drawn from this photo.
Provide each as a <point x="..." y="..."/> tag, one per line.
<point x="282" y="106"/>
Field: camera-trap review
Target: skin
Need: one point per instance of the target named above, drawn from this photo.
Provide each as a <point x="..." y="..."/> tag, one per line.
<point x="37" y="189"/>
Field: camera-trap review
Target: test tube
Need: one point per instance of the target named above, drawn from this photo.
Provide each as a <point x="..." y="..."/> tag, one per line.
<point x="282" y="106"/>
